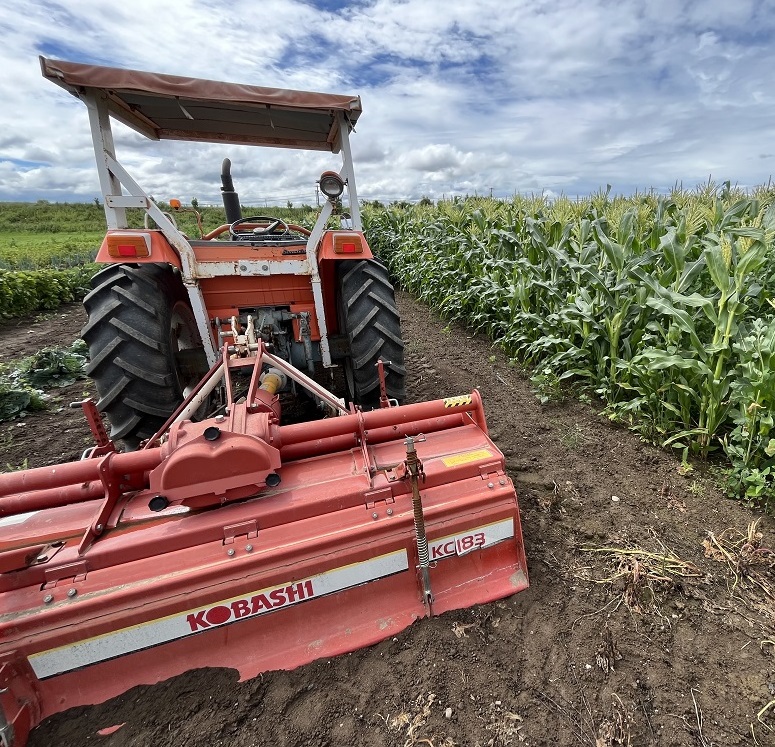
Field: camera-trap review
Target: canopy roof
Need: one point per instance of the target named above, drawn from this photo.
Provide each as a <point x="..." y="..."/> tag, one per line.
<point x="171" y="107"/>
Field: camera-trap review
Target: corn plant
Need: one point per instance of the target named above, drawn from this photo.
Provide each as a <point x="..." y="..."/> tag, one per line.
<point x="750" y="445"/>
<point x="653" y="302"/>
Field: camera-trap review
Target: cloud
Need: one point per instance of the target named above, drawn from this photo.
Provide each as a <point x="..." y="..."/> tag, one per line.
<point x="436" y="158"/>
<point x="460" y="97"/>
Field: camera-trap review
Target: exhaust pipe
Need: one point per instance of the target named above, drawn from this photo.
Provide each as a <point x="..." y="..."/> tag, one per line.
<point x="230" y="197"/>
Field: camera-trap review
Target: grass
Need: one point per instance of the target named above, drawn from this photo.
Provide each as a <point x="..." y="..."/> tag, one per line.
<point x="696" y="488"/>
<point x="47" y="249"/>
<point x="15" y="467"/>
<point x="45" y="234"/>
<point x="573" y="437"/>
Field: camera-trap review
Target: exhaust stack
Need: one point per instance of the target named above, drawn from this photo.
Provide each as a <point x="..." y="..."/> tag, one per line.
<point x="230" y="197"/>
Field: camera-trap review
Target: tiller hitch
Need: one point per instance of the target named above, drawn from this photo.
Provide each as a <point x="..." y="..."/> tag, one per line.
<point x="238" y="542"/>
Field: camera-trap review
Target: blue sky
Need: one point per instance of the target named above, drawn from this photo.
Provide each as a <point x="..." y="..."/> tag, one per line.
<point x="555" y="96"/>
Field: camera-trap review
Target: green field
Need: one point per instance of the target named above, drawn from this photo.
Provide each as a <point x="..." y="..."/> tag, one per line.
<point x="661" y="307"/>
<point x="47" y="249"/>
<point x="29" y="251"/>
<point x="44" y="234"/>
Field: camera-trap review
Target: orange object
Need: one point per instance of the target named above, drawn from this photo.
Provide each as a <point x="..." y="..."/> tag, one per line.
<point x="323" y="518"/>
<point x="123" y="244"/>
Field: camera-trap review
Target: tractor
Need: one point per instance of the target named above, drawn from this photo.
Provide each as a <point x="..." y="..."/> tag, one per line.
<point x="162" y="306"/>
<point x="224" y="533"/>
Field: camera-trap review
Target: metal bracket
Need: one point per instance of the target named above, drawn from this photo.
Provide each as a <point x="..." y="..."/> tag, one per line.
<point x="75" y="572"/>
<point x="381" y="495"/>
<point x="232" y="531"/>
<point x="104" y="444"/>
<point x="383" y="398"/>
<point x="486" y="471"/>
<point x="46" y="553"/>
<point x="112" y="486"/>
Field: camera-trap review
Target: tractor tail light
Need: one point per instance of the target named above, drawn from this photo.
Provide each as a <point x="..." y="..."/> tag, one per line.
<point x="348" y="243"/>
<point x="124" y="245"/>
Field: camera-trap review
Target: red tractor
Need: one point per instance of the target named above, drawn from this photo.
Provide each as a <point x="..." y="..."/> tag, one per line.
<point x="161" y="310"/>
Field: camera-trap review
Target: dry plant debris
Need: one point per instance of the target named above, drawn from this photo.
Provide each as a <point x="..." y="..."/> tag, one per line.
<point x="765" y="722"/>
<point x="459" y="629"/>
<point x="504" y="724"/>
<point x="413" y="719"/>
<point x="607" y="653"/>
<point x="752" y="567"/>
<point x="638" y="571"/>
<point x="615" y="731"/>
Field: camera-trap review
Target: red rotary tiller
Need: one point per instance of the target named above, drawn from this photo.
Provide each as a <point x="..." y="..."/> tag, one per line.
<point x="201" y="548"/>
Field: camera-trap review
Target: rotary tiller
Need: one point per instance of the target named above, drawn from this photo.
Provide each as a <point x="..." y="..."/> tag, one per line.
<point x="238" y="542"/>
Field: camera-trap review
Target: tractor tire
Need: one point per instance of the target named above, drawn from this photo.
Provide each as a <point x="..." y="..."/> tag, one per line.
<point x="139" y="319"/>
<point x="369" y="317"/>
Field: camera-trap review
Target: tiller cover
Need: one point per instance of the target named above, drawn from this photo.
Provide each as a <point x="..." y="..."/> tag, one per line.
<point x="240" y="543"/>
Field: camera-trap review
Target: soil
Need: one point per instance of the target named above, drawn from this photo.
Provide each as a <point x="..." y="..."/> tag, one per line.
<point x="611" y="644"/>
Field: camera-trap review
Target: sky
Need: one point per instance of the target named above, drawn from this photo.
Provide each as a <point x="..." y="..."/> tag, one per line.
<point x="459" y="97"/>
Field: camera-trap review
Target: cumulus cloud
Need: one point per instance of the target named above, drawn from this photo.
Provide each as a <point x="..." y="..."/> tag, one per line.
<point x="437" y="158"/>
<point x="460" y="97"/>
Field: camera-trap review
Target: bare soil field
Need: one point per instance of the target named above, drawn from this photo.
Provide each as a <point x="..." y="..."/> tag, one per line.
<point x="650" y="619"/>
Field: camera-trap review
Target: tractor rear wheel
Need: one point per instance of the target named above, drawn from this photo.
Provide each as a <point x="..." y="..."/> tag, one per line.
<point x="369" y="317"/>
<point x="139" y="322"/>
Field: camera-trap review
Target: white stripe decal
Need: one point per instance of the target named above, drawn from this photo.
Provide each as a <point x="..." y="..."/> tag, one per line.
<point x="16" y="519"/>
<point x="183" y="624"/>
<point x="120" y="642"/>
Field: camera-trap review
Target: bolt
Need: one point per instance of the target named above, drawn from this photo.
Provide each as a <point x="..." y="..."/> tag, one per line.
<point x="230" y="553"/>
<point x="264" y="267"/>
<point x="220" y="418"/>
<point x="490" y="485"/>
<point x="390" y="512"/>
<point x="71" y="593"/>
<point x="502" y="481"/>
<point x="98" y="529"/>
<point x="375" y="516"/>
<point x="48" y="599"/>
<point x="248" y="548"/>
<point x="244" y="268"/>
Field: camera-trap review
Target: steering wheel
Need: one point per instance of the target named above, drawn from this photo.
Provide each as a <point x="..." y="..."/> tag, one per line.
<point x="271" y="227"/>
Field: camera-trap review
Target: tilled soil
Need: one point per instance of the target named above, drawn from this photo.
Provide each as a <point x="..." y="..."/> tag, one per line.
<point x="613" y="644"/>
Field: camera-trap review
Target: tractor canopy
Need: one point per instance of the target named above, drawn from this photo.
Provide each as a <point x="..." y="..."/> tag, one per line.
<point x="173" y="107"/>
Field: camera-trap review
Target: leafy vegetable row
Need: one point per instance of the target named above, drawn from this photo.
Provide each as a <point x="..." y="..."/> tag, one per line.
<point x="22" y="292"/>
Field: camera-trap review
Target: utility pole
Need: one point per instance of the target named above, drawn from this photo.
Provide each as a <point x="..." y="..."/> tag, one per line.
<point x="490" y="192"/>
<point x="317" y="196"/>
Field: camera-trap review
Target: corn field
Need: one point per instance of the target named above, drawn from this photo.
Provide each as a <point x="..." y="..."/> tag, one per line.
<point x="660" y="306"/>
